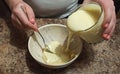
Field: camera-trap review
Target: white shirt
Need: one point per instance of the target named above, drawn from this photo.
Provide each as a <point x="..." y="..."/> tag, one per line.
<point x="53" y="8"/>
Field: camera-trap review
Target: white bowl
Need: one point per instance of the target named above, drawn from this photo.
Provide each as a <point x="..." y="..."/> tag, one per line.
<point x="52" y="32"/>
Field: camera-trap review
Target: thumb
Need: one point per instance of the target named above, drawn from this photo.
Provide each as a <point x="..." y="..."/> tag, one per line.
<point x="34" y="24"/>
<point x="30" y="15"/>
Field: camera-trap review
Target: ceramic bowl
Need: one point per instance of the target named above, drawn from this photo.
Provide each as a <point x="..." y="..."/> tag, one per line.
<point x="52" y="32"/>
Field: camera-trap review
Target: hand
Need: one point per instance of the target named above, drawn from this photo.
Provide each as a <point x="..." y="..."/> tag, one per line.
<point x="23" y="16"/>
<point x="110" y="16"/>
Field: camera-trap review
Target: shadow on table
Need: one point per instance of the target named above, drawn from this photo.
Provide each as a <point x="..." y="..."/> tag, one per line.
<point x="17" y="38"/>
<point x="83" y="60"/>
<point x="115" y="40"/>
<point x="4" y="10"/>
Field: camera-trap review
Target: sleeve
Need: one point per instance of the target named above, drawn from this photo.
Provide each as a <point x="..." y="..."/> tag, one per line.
<point x="117" y="5"/>
<point x="80" y="1"/>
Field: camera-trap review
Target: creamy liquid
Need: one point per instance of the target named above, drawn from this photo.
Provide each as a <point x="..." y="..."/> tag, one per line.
<point x="78" y="21"/>
<point x="55" y="59"/>
<point x="83" y="19"/>
<point x="68" y="41"/>
<point x="58" y="55"/>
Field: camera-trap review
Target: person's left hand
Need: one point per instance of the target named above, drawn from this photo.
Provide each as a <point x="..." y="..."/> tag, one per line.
<point x="109" y="18"/>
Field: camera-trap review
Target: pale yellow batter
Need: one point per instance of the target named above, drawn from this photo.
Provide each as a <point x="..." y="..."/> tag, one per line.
<point x="87" y="23"/>
<point x="58" y="55"/>
<point x="84" y="18"/>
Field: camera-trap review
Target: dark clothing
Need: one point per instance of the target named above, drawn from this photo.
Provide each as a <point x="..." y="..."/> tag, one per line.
<point x="116" y="3"/>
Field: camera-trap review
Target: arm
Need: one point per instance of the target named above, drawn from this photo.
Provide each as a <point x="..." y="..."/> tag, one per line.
<point x="22" y="15"/>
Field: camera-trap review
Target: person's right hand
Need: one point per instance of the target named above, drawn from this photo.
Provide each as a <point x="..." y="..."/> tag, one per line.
<point x="23" y="16"/>
<point x="109" y="18"/>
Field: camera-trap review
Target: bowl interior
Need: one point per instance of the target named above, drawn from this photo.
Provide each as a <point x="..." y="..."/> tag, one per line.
<point x="52" y="32"/>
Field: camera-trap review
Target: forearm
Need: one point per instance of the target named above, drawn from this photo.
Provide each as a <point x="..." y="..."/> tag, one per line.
<point x="12" y="3"/>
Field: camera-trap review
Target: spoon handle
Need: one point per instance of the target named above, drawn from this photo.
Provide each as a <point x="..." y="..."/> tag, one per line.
<point x="42" y="38"/>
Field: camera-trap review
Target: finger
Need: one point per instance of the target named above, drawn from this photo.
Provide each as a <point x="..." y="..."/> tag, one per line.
<point x="36" y="26"/>
<point x="109" y="31"/>
<point x="113" y="23"/>
<point x="30" y="13"/>
<point x="108" y="36"/>
<point x="30" y="16"/>
<point x="32" y="25"/>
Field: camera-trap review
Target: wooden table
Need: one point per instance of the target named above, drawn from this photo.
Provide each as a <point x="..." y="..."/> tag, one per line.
<point x="100" y="58"/>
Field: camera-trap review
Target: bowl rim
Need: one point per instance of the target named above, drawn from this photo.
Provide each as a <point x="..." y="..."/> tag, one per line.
<point x="48" y="25"/>
<point x="50" y="65"/>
